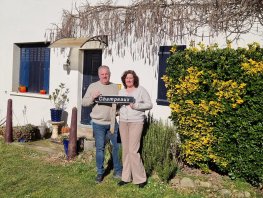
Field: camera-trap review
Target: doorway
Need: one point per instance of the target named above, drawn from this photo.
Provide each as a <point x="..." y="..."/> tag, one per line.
<point x="92" y="61"/>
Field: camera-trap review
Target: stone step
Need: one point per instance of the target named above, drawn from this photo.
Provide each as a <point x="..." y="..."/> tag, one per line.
<point x="85" y="131"/>
<point x="89" y="145"/>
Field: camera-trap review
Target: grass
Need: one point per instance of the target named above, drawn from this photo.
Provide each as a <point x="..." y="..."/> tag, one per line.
<point x="25" y="172"/>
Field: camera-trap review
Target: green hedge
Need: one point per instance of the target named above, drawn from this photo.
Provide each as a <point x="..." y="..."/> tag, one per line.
<point x="216" y="97"/>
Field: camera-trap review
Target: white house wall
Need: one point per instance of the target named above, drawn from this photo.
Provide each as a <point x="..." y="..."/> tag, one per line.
<point x="59" y="75"/>
<point x="26" y="21"/>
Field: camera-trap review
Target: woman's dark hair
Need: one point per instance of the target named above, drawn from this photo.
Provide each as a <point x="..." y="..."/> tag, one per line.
<point x="136" y="78"/>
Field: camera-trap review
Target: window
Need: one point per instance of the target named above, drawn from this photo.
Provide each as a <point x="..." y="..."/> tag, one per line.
<point x="34" y="66"/>
<point x="164" y="53"/>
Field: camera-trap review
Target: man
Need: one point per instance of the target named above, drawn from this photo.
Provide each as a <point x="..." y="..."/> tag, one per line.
<point x="101" y="119"/>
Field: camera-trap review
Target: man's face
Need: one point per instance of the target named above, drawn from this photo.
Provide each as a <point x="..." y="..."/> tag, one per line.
<point x="104" y="76"/>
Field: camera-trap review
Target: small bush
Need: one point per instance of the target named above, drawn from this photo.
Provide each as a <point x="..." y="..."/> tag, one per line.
<point x="166" y="169"/>
<point x="28" y="132"/>
<point x="160" y="149"/>
<point x="25" y="133"/>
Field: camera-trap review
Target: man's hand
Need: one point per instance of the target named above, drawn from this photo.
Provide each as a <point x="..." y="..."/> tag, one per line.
<point x="95" y="94"/>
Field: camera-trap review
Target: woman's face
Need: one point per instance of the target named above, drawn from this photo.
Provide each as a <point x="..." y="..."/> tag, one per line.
<point x="129" y="80"/>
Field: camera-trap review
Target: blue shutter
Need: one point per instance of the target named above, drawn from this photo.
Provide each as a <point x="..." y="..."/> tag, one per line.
<point x="164" y="53"/>
<point x="46" y="69"/>
<point x="24" y="67"/>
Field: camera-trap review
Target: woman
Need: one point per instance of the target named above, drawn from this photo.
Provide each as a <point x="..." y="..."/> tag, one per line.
<point x="131" y="125"/>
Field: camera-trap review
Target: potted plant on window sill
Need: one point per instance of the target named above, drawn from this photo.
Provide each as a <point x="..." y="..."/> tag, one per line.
<point x="22" y="89"/>
<point x="42" y="91"/>
<point x="59" y="98"/>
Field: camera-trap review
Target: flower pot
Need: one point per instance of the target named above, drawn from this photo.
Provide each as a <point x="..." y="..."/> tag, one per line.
<point x="22" y="89"/>
<point x="22" y="140"/>
<point x="42" y="91"/>
<point x="66" y="143"/>
<point x="79" y="148"/>
<point x="56" y="115"/>
<point x="65" y="129"/>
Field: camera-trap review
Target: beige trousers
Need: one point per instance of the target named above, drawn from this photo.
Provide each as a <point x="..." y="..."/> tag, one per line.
<point x="133" y="169"/>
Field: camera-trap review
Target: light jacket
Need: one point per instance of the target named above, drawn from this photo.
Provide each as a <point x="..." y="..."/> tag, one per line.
<point x="142" y="103"/>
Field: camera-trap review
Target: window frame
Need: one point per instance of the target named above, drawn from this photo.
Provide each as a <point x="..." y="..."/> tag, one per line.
<point x="17" y="50"/>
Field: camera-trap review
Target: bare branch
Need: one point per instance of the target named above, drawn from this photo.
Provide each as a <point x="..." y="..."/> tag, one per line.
<point x="156" y="20"/>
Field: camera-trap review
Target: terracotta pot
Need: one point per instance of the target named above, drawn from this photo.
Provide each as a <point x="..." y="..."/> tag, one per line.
<point x="22" y="89"/>
<point x="65" y="129"/>
<point x="42" y="91"/>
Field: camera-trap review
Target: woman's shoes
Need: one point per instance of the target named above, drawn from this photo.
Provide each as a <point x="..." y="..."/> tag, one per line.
<point x="122" y="183"/>
<point x="141" y="185"/>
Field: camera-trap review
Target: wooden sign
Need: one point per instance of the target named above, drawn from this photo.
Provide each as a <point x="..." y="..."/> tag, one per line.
<point x="115" y="99"/>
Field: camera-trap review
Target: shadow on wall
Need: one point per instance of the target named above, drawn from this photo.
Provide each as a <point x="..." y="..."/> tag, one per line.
<point x="65" y="117"/>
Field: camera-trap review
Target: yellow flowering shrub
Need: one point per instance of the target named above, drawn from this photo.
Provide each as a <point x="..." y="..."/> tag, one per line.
<point x="252" y="67"/>
<point x="212" y="92"/>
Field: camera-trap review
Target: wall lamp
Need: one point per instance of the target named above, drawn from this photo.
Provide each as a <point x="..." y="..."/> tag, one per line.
<point x="66" y="66"/>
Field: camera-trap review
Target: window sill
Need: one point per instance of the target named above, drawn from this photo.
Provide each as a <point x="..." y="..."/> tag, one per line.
<point x="30" y="95"/>
<point x="162" y="102"/>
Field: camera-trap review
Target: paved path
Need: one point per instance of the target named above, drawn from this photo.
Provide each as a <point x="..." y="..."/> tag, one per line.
<point x="52" y="148"/>
<point x="46" y="146"/>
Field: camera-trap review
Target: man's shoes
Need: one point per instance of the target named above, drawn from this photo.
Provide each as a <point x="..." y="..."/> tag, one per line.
<point x="122" y="183"/>
<point x="99" y="178"/>
<point x="117" y="175"/>
<point x="141" y="185"/>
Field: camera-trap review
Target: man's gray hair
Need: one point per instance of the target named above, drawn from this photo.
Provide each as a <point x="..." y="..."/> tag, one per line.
<point x="103" y="67"/>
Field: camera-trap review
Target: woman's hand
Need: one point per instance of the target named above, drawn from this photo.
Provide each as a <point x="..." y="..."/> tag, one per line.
<point x="132" y="105"/>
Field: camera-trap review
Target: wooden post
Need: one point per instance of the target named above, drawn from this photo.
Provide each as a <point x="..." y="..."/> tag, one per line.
<point x="9" y="123"/>
<point x="72" y="149"/>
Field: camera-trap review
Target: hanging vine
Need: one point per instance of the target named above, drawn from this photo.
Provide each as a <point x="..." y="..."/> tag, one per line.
<point x="155" y="21"/>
